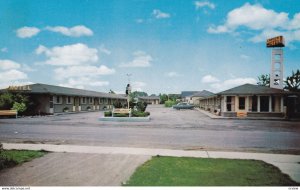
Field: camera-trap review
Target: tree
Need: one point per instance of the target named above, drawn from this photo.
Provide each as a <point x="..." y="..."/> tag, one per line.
<point x="292" y="83"/>
<point x="136" y="94"/>
<point x="6" y="101"/>
<point x="111" y="92"/>
<point x="264" y="80"/>
<point x="163" y="98"/>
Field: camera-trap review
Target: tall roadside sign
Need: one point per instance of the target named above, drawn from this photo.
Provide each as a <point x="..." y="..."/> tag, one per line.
<point x="276" y="75"/>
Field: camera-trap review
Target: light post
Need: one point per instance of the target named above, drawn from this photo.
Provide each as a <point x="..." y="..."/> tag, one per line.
<point x="128" y="90"/>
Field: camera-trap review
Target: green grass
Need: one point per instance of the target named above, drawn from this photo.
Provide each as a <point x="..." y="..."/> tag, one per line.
<point x="9" y="158"/>
<point x="171" y="171"/>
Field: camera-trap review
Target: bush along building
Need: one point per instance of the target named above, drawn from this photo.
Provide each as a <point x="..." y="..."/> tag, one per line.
<point x="250" y="100"/>
<point x="50" y="99"/>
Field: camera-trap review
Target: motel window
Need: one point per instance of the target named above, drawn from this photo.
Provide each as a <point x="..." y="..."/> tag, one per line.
<point x="83" y="100"/>
<point x="69" y="100"/>
<point x="228" y="103"/>
<point x="57" y="99"/>
<point x="241" y="103"/>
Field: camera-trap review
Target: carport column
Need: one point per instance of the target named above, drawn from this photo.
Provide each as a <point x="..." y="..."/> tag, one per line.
<point x="270" y="103"/>
<point x="224" y="104"/>
<point x="247" y="103"/>
<point x="281" y="104"/>
<point x="258" y="103"/>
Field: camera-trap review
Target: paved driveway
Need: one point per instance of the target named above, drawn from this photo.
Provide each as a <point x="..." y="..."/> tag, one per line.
<point x="73" y="169"/>
<point x="168" y="128"/>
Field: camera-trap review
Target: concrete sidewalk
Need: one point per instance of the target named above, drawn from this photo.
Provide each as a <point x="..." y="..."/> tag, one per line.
<point x="288" y="164"/>
<point x="213" y="116"/>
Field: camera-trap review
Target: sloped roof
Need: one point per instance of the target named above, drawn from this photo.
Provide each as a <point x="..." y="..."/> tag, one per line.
<point x="188" y="93"/>
<point x="149" y="97"/>
<point x="251" y="89"/>
<point x="59" y="90"/>
<point x="203" y="93"/>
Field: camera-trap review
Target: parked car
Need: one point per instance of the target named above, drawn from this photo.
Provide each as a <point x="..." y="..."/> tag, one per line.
<point x="183" y="105"/>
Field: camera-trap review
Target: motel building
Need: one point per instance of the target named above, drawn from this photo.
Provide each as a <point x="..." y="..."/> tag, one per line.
<point x="149" y="99"/>
<point x="247" y="100"/>
<point x="50" y="99"/>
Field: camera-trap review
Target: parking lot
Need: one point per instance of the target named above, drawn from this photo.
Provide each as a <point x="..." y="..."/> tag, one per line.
<point x="168" y="128"/>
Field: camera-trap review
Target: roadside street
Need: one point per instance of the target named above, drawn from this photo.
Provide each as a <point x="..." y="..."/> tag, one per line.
<point x="94" y="165"/>
<point x="168" y="128"/>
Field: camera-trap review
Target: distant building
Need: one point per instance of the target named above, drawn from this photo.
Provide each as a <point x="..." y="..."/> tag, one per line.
<point x="195" y="98"/>
<point x="149" y="99"/>
<point x="247" y="100"/>
<point x="186" y="96"/>
<point x="49" y="99"/>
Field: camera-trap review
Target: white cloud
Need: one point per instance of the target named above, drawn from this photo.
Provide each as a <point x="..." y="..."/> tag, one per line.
<point x="27" y="32"/>
<point x="230" y="83"/>
<point x="81" y="71"/>
<point x="159" y="14"/>
<point x="76" y="31"/>
<point x="209" y="79"/>
<point x="6" y="64"/>
<point x="138" y="86"/>
<point x="11" y="75"/>
<point x="4" y="49"/>
<point x="75" y="54"/>
<point x="200" y="4"/>
<point x="141" y="59"/>
<point x="245" y="57"/>
<point x="83" y="82"/>
<point x="257" y="18"/>
<point x="104" y="50"/>
<point x="172" y="74"/>
<point x="139" y="20"/>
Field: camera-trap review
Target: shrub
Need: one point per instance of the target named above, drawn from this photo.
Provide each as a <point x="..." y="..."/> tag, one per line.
<point x="141" y="106"/>
<point x="20" y="107"/>
<point x="170" y="103"/>
<point x="6" y="101"/>
<point x="140" y="114"/>
<point x="66" y="109"/>
<point x="107" y="114"/>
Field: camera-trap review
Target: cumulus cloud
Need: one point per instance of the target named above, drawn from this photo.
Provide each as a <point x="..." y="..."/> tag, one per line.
<point x="83" y="82"/>
<point x="201" y="4"/>
<point x="104" y="50"/>
<point x="6" y="64"/>
<point x="209" y="79"/>
<point x="141" y="59"/>
<point x="257" y="18"/>
<point x="74" y="54"/>
<point x="81" y="71"/>
<point x="76" y="31"/>
<point x="159" y="14"/>
<point x="27" y="32"/>
<point x="230" y="83"/>
<point x="138" y="86"/>
<point x="10" y="73"/>
<point x="172" y="74"/>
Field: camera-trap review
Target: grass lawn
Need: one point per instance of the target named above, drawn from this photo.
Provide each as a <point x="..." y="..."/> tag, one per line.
<point x="9" y="158"/>
<point x="173" y="171"/>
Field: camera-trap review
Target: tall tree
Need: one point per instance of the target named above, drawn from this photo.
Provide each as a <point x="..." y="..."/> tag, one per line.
<point x="292" y="83"/>
<point x="264" y="80"/>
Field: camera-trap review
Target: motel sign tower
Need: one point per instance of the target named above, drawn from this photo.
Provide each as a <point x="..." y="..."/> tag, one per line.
<point x="276" y="75"/>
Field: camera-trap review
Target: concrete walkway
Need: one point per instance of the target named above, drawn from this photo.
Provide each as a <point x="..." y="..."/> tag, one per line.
<point x="213" y="116"/>
<point x="288" y="164"/>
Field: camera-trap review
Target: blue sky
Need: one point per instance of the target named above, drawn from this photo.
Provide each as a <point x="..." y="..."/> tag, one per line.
<point x="168" y="46"/>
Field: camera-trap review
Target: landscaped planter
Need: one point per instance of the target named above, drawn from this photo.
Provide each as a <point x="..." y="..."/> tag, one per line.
<point x="126" y="119"/>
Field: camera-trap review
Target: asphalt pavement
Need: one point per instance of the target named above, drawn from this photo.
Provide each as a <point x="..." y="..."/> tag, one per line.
<point x="93" y="165"/>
